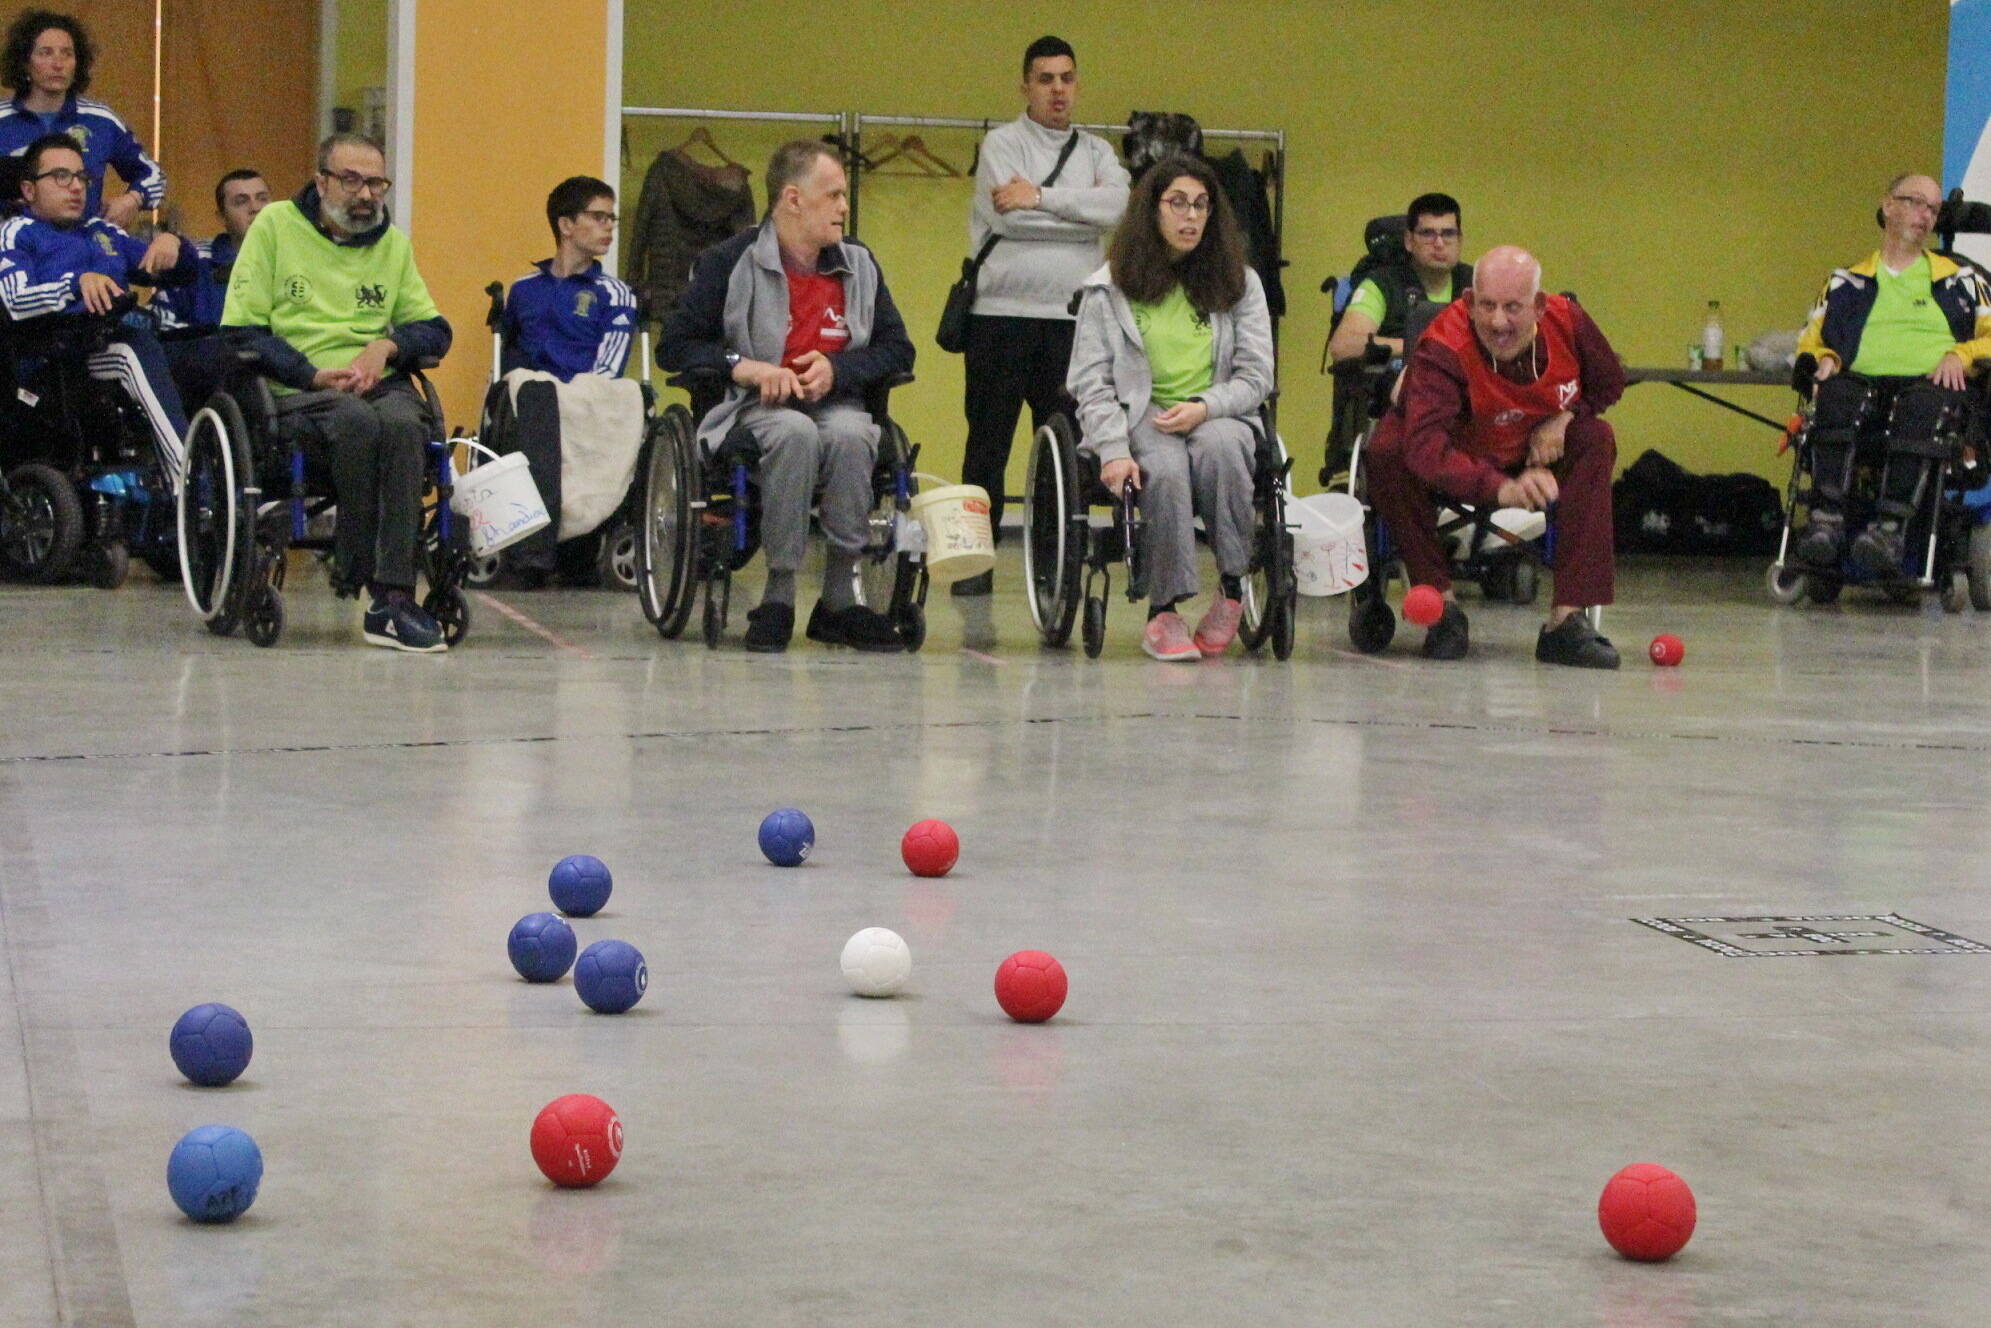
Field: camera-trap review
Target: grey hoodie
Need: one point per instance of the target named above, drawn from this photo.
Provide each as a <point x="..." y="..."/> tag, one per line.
<point x="1047" y="250"/>
<point x="1113" y="385"/>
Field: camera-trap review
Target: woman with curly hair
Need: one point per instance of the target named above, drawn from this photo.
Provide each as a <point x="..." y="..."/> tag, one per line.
<point x="48" y="61"/>
<point x="1171" y="358"/>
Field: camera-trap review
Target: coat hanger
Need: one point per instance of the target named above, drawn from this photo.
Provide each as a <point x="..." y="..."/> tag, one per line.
<point x="916" y="153"/>
<point x="702" y="137"/>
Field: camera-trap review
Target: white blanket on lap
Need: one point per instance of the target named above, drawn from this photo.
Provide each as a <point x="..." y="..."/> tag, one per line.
<point x="601" y="431"/>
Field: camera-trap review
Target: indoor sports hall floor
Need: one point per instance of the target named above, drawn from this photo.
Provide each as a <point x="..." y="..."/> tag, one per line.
<point x="1360" y="1020"/>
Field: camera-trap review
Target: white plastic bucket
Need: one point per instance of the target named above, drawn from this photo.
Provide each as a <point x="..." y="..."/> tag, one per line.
<point x="960" y="543"/>
<point x="1330" y="557"/>
<point x="498" y="501"/>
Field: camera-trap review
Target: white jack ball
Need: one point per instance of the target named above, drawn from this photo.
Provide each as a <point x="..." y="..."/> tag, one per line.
<point x="877" y="962"/>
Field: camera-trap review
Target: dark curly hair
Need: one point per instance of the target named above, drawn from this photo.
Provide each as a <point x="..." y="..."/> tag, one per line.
<point x="21" y="44"/>
<point x="1146" y="269"/>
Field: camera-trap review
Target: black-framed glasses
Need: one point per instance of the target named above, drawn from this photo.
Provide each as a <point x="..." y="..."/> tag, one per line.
<point x="352" y="182"/>
<point x="1184" y="206"/>
<point x="1909" y="200"/>
<point x="599" y="216"/>
<point x="1429" y="233"/>
<point x="65" y="177"/>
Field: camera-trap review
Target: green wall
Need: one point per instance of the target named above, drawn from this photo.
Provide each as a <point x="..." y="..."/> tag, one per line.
<point x="362" y="54"/>
<point x="1653" y="158"/>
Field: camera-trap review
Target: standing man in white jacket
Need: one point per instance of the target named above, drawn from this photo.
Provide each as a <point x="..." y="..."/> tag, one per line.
<point x="1050" y="239"/>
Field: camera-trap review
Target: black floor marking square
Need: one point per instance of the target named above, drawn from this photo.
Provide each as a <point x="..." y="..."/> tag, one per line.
<point x="1804" y="935"/>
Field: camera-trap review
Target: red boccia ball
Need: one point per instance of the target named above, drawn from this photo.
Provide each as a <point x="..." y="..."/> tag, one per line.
<point x="576" y="1140"/>
<point x="1667" y="650"/>
<point x="1030" y="986"/>
<point x="930" y="848"/>
<point x="1646" y="1212"/>
<point x="1423" y="605"/>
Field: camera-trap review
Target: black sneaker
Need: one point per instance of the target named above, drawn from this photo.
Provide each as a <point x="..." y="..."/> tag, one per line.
<point x="1447" y="638"/>
<point x="1824" y="535"/>
<point x="401" y="624"/>
<point x="768" y="628"/>
<point x="1879" y="550"/>
<point x="982" y="584"/>
<point x="854" y="626"/>
<point x="1577" y="644"/>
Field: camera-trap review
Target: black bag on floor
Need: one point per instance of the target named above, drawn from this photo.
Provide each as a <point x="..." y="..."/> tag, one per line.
<point x="1658" y="506"/>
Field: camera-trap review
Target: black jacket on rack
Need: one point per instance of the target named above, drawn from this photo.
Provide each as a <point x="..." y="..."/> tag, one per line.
<point x="1245" y="186"/>
<point x="686" y="208"/>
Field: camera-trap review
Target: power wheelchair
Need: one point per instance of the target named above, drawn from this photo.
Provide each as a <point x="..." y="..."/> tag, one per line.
<point x="699" y="518"/>
<point x="249" y="496"/>
<point x="1070" y="547"/>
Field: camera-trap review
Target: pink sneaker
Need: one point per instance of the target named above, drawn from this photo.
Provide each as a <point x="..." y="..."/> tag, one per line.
<point x="1167" y="639"/>
<point x="1219" y="626"/>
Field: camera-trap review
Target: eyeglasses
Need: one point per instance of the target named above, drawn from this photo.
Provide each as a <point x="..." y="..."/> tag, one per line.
<point x="1429" y="233"/>
<point x="597" y="215"/>
<point x="65" y="177"/>
<point x="1184" y="206"/>
<point x="352" y="182"/>
<point x="1909" y="200"/>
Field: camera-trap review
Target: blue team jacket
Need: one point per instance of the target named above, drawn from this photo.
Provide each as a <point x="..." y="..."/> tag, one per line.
<point x="568" y="325"/>
<point x="198" y="304"/>
<point x="40" y="263"/>
<point x="104" y="139"/>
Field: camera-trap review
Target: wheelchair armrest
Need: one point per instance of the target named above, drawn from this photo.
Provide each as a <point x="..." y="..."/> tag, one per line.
<point x="1802" y="381"/>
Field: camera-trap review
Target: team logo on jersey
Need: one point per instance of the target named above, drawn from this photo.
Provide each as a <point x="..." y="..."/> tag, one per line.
<point x="298" y="289"/>
<point x="105" y="243"/>
<point x="584" y="304"/>
<point x="835" y="329"/>
<point x="1507" y="419"/>
<point x="1564" y="394"/>
<point x="81" y="134"/>
<point x="621" y="320"/>
<point x="370" y="297"/>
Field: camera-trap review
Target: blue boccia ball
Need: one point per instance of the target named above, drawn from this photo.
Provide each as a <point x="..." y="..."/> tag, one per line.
<point x="541" y="947"/>
<point x="611" y="976"/>
<point x="786" y="837"/>
<point x="579" y="885"/>
<point x="211" y="1045"/>
<point x="213" y="1173"/>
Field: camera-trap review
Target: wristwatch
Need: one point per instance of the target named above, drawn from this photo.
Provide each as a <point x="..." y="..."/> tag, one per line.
<point x="733" y="359"/>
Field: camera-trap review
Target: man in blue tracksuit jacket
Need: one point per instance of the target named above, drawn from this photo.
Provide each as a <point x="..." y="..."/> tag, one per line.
<point x="567" y="316"/>
<point x="53" y="260"/>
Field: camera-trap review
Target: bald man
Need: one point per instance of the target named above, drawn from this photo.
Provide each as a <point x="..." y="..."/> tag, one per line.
<point x="1499" y="406"/>
<point x="1894" y="337"/>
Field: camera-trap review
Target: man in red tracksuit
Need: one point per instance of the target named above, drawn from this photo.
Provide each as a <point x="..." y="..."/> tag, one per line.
<point x="1499" y="405"/>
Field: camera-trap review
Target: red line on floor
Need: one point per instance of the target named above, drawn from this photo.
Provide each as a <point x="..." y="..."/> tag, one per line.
<point x="543" y="633"/>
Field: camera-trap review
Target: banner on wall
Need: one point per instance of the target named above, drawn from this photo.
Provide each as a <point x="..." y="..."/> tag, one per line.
<point x="1967" y="113"/>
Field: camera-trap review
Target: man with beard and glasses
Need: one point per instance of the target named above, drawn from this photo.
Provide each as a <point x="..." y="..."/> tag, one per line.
<point x="327" y="295"/>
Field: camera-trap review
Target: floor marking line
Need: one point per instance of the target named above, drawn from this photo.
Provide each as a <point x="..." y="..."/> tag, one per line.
<point x="526" y="621"/>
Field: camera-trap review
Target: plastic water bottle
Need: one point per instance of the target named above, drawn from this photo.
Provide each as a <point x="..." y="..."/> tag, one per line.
<point x="1711" y="337"/>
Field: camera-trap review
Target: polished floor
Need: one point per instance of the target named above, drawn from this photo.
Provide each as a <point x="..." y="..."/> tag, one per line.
<point x="1359" y="1022"/>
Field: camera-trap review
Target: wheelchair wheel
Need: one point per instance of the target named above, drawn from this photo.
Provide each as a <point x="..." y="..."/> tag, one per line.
<point x="450" y="607"/>
<point x="1093" y="632"/>
<point x="109" y="564"/>
<point x="483" y="572"/>
<point x="1526" y="585"/>
<point x="666" y="533"/>
<point x="1977" y="568"/>
<point x="1955" y="591"/>
<point x="888" y="577"/>
<point x="616" y="563"/>
<point x="40" y="536"/>
<point x="718" y="596"/>
<point x="262" y="614"/>
<point x="216" y="513"/>
<point x="1054" y="530"/>
<point x="1270" y="587"/>
<point x="911" y="622"/>
<point x="165" y="563"/>
<point x="1787" y="584"/>
<point x="1822" y="590"/>
<point x="1371" y="623"/>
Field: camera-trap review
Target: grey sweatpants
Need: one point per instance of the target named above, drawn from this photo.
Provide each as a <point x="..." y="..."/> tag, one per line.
<point x="373" y="446"/>
<point x="831" y="445"/>
<point x="1205" y="473"/>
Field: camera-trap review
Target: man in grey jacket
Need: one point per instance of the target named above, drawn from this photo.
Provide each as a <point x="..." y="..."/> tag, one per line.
<point x="1050" y="240"/>
<point x="799" y="320"/>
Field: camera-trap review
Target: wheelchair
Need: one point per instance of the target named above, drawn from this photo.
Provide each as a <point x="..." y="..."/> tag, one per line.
<point x="699" y="519"/>
<point x="1948" y="533"/>
<point x="248" y="496"/>
<point x="605" y="556"/>
<point x="1068" y="555"/>
<point x="86" y="489"/>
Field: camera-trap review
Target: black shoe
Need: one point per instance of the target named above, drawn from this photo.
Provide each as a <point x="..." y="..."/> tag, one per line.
<point x="854" y="626"/>
<point x="1446" y="638"/>
<point x="768" y="628"/>
<point x="1824" y="535"/>
<point x="1879" y="550"/>
<point x="982" y="584"/>
<point x="1577" y="644"/>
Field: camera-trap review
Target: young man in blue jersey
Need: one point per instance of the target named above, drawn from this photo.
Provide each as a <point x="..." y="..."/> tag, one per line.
<point x="191" y="314"/>
<point x="55" y="260"/>
<point x="47" y="61"/>
<point x="567" y="316"/>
